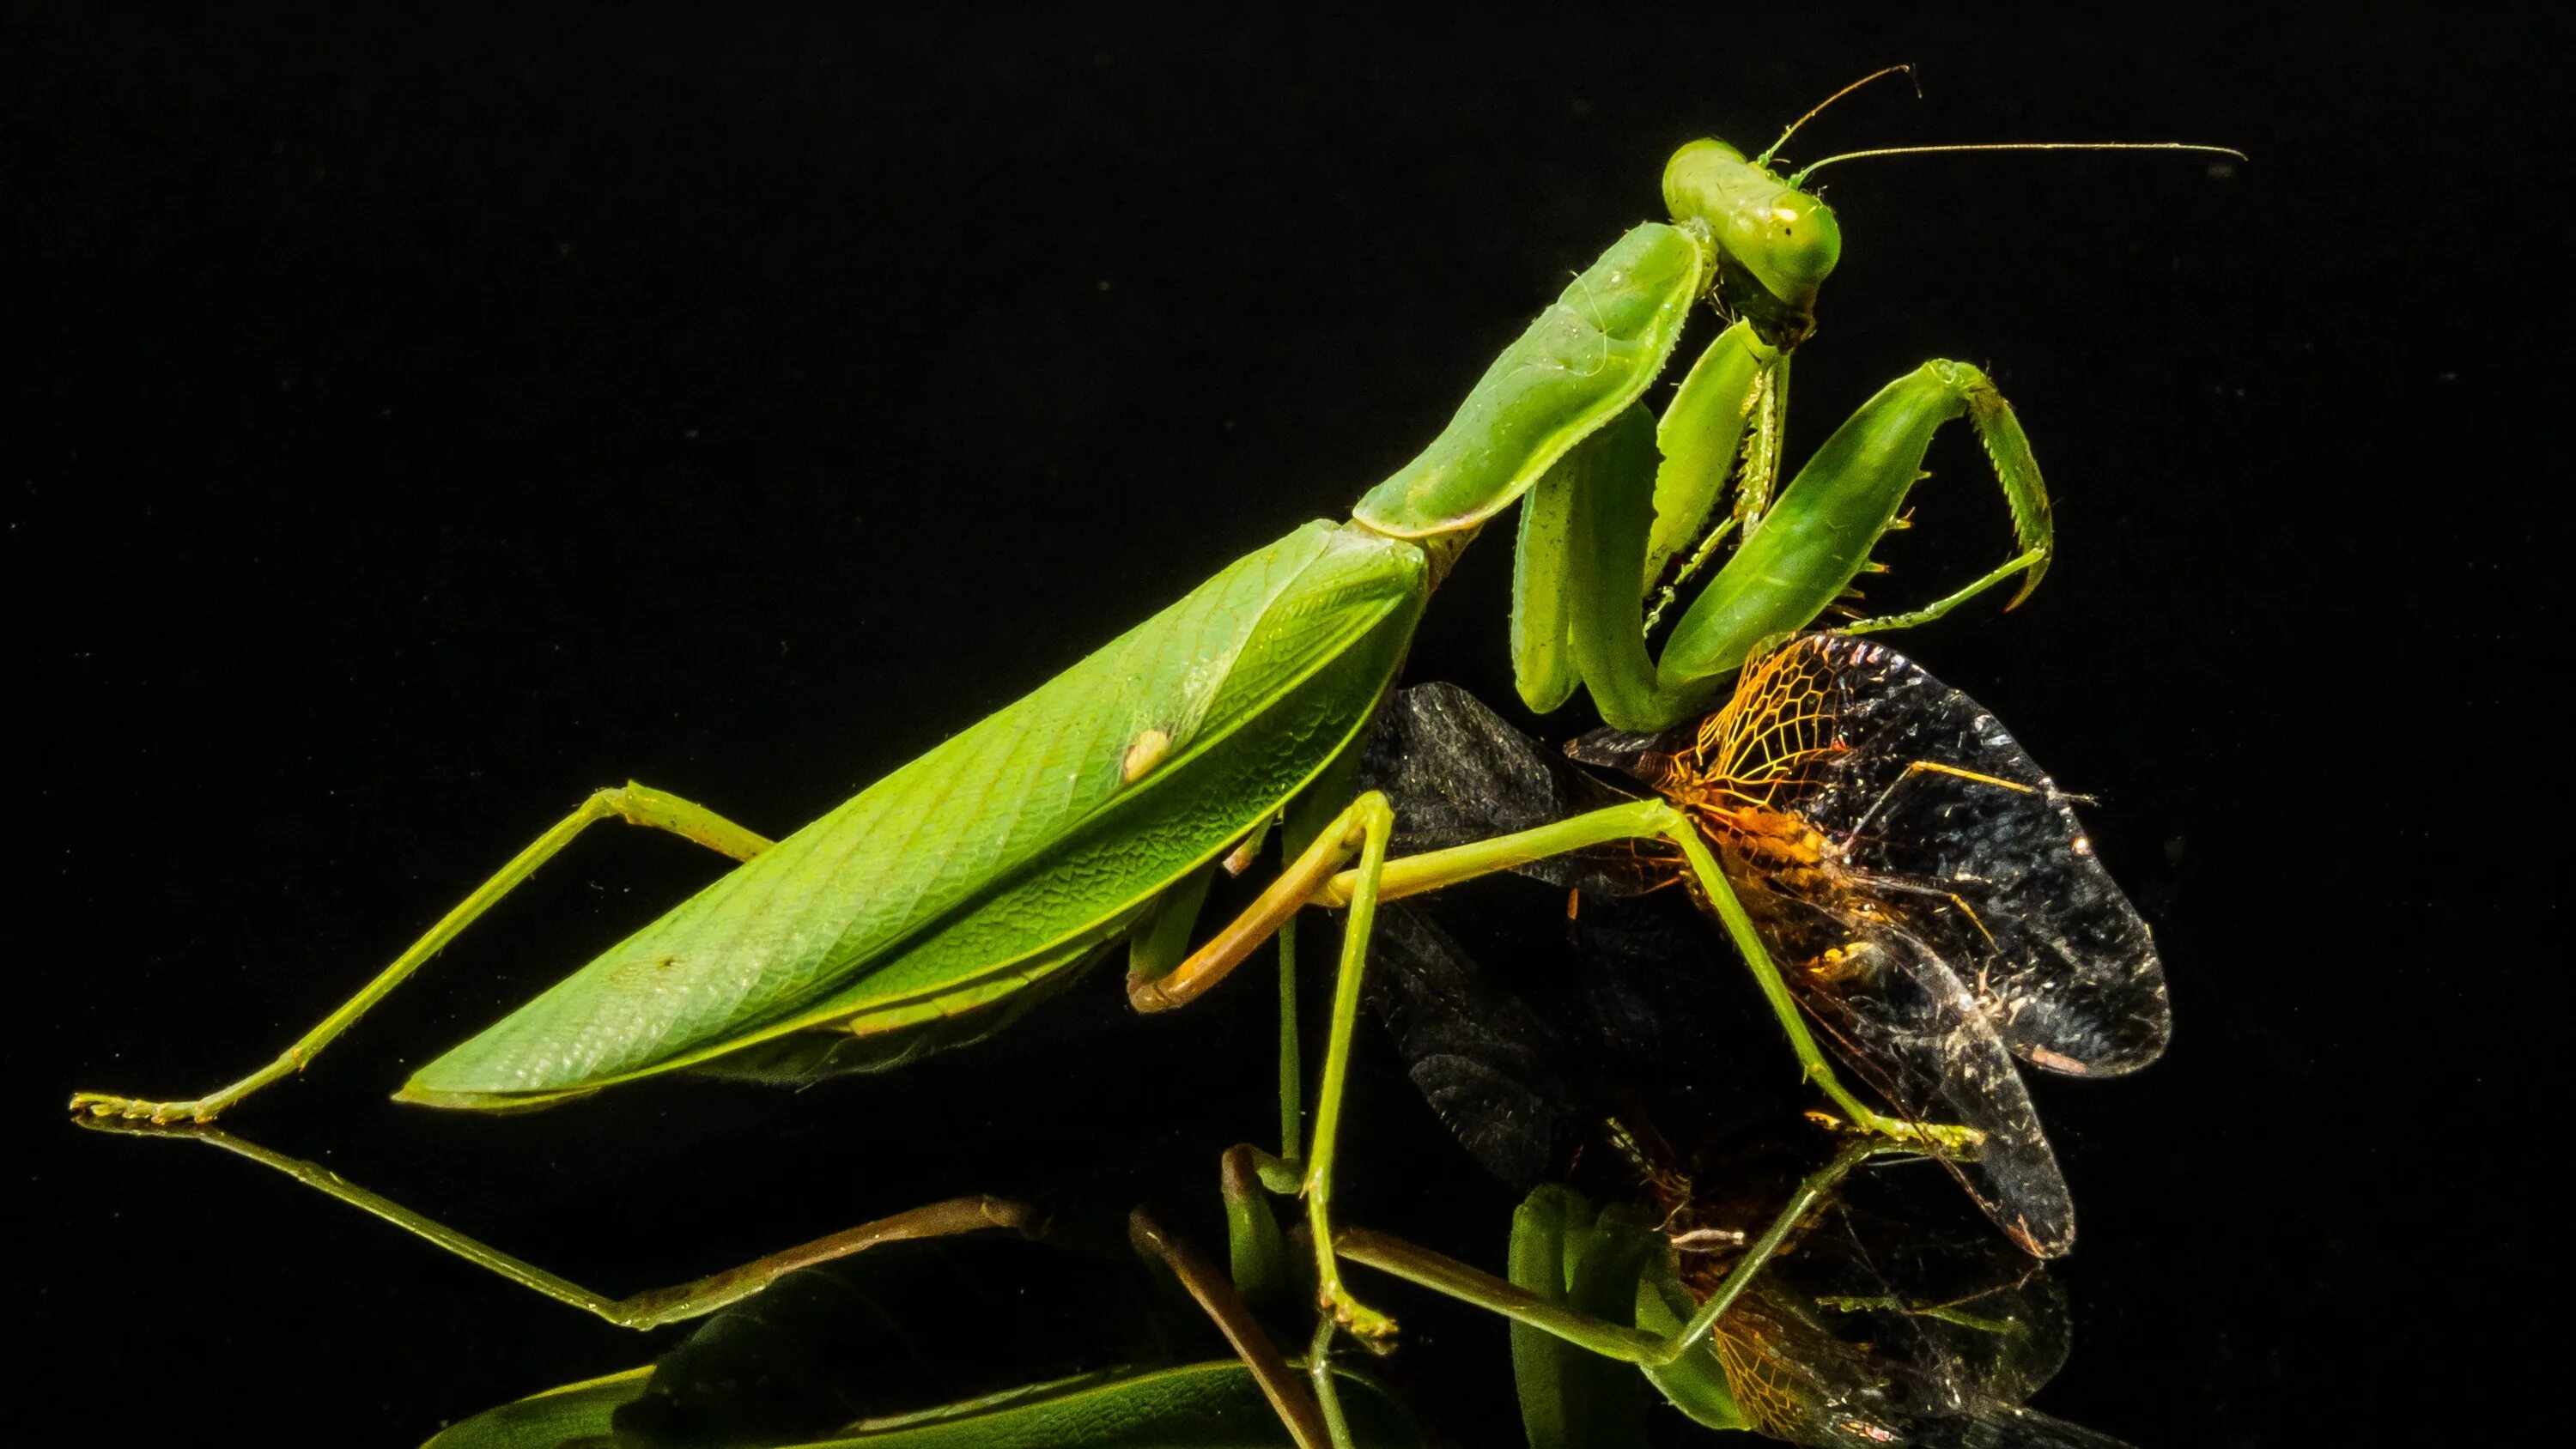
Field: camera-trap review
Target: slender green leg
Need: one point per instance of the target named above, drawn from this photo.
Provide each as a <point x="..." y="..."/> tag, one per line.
<point x="1269" y="913"/>
<point x="1451" y="1278"/>
<point x="1292" y="1070"/>
<point x="1642" y="820"/>
<point x="1377" y="824"/>
<point x="1297" y="1409"/>
<point x="1362" y="827"/>
<point x="649" y="1309"/>
<point x="1740" y="1276"/>
<point x="1319" y="1372"/>
<point x="635" y="804"/>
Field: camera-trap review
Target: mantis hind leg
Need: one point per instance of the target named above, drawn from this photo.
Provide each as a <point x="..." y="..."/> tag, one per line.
<point x="649" y="1309"/>
<point x="635" y="804"/>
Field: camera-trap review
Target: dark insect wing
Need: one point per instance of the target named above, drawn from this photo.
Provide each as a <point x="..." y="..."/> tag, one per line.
<point x="1501" y="1076"/>
<point x="1904" y="1021"/>
<point x="1974" y="1322"/>
<point x="1457" y="772"/>
<point x="1491" y="1062"/>
<point x="1515" y="1065"/>
<point x="1525" y="1051"/>
<point x="1522" y="1051"/>
<point x="1878" y="1332"/>
<point x="2068" y="969"/>
<point x="1810" y="1386"/>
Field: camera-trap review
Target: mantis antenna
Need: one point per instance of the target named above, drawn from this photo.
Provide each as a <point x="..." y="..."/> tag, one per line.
<point x="1800" y="179"/>
<point x="1765" y="158"/>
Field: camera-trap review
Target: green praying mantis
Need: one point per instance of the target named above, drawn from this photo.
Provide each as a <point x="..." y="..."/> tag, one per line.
<point x="931" y="908"/>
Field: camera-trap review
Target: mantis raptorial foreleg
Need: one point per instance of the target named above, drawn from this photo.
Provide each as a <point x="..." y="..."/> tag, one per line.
<point x="633" y="803"/>
<point x="1579" y="594"/>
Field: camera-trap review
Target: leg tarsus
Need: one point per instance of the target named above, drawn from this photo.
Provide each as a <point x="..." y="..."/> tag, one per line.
<point x="2035" y="560"/>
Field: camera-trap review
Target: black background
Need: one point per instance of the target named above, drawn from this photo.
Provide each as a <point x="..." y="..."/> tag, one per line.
<point x="412" y="426"/>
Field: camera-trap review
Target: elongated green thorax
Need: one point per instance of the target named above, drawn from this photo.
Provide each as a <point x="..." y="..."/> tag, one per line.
<point x="1585" y="359"/>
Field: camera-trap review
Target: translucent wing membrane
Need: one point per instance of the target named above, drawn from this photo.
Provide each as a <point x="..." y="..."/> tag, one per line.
<point x="1921" y="883"/>
<point x="1913" y="1030"/>
<point x="1612" y="1046"/>
<point x="1805" y="1386"/>
<point x="1883" y="1329"/>
<point x="1913" y="806"/>
<point x="1929" y="789"/>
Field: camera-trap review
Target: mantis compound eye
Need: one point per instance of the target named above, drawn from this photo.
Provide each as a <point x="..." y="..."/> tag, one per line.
<point x="1790" y="242"/>
<point x="1775" y="244"/>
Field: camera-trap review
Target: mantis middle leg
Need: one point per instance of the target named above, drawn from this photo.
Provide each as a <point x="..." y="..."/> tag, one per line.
<point x="1536" y="1309"/>
<point x="1362" y="829"/>
<point x="1644" y="820"/>
<point x="1324" y="875"/>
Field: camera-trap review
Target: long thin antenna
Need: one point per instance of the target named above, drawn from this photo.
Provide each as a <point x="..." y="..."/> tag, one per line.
<point x="1800" y="180"/>
<point x="1765" y="158"/>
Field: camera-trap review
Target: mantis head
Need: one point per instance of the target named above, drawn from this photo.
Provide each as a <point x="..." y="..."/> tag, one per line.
<point x="1775" y="244"/>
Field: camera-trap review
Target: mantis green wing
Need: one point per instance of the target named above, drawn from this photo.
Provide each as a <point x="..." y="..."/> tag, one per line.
<point x="1004" y="856"/>
<point x="1213" y="1405"/>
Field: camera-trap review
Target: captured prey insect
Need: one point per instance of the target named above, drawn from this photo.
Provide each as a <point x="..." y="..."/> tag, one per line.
<point x="1831" y="1322"/>
<point x="1927" y="891"/>
<point x="1865" y="1312"/>
<point x="927" y="910"/>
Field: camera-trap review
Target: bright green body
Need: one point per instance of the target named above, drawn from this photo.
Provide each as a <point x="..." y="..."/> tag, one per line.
<point x="1019" y="849"/>
<point x="1012" y="852"/>
<point x="923" y="912"/>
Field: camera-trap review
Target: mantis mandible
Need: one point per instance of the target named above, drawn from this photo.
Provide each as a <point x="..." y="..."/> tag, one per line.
<point x="929" y="909"/>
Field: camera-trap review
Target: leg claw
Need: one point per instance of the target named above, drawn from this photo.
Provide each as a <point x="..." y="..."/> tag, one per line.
<point x="1373" y="1329"/>
<point x="130" y="1109"/>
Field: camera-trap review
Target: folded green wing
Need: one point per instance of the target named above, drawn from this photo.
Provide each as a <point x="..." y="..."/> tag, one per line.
<point x="1046" y="827"/>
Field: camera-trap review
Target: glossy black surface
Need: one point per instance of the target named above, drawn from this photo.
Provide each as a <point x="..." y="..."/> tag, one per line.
<point x="415" y="424"/>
